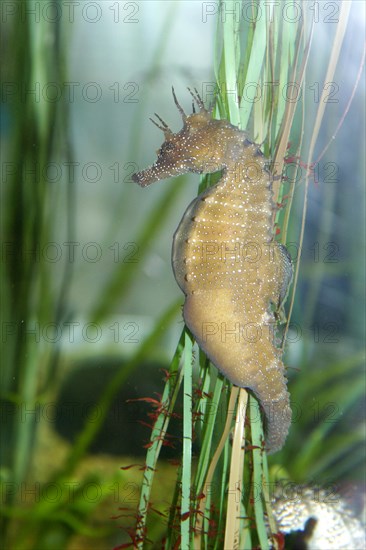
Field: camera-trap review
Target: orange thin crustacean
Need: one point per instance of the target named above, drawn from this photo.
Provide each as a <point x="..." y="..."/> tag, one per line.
<point x="233" y="273"/>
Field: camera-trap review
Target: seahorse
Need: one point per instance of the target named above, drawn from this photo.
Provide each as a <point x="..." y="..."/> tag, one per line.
<point x="233" y="273"/>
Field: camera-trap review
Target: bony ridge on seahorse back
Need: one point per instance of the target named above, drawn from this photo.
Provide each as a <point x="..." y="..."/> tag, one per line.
<point x="233" y="273"/>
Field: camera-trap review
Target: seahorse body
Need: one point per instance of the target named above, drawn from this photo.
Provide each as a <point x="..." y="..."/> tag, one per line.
<point x="225" y="260"/>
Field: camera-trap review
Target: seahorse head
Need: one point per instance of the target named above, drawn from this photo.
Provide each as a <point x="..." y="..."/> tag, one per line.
<point x="202" y="145"/>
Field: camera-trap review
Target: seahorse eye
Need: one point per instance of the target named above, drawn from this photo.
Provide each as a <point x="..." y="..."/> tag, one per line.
<point x="167" y="147"/>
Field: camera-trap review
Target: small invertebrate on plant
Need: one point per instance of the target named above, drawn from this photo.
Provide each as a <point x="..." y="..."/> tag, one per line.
<point x="233" y="273"/>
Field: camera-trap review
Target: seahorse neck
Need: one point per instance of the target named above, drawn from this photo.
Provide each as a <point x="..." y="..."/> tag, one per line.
<point x="245" y="174"/>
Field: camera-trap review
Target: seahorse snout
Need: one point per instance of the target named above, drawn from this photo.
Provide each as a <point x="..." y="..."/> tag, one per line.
<point x="158" y="171"/>
<point x="148" y="176"/>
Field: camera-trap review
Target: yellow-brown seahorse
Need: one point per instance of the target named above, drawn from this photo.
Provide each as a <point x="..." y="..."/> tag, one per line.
<point x="233" y="273"/>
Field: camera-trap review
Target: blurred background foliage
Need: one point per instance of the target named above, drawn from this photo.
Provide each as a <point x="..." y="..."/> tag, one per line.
<point x="90" y="309"/>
